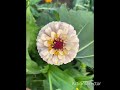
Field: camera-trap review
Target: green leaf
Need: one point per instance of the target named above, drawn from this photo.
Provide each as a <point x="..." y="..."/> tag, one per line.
<point x="37" y="85"/>
<point x="83" y="5"/>
<point x="79" y="5"/>
<point x="46" y="85"/>
<point x="31" y="66"/>
<point x="84" y="78"/>
<point x="73" y="72"/>
<point x="89" y="61"/>
<point x="84" y="87"/>
<point x="30" y="25"/>
<point x="54" y="15"/>
<point x="77" y="75"/>
<point x="34" y="12"/>
<point x="44" y="19"/>
<point x="29" y="17"/>
<point x="61" y="79"/>
<point x="33" y="2"/>
<point x="58" y="89"/>
<point x="45" y="69"/>
<point x="83" y="22"/>
<point x="34" y="82"/>
<point x="90" y="85"/>
<point x="29" y="79"/>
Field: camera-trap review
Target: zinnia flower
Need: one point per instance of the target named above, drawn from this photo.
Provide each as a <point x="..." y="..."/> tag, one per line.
<point x="48" y="1"/>
<point x="57" y="43"/>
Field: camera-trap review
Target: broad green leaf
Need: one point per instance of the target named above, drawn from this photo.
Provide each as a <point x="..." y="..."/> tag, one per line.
<point x="34" y="82"/>
<point x="84" y="78"/>
<point x="84" y="87"/>
<point x="29" y="79"/>
<point x="89" y="61"/>
<point x="58" y="89"/>
<point x="31" y="66"/>
<point x="37" y="85"/>
<point x="35" y="13"/>
<point x="27" y="3"/>
<point x="73" y="72"/>
<point x="86" y="51"/>
<point x="87" y="85"/>
<point x="90" y="85"/>
<point x="77" y="75"/>
<point x="54" y="15"/>
<point x="46" y="85"/>
<point x="29" y="17"/>
<point x="30" y="25"/>
<point x="83" y="5"/>
<point x="83" y="22"/>
<point x="87" y="56"/>
<point x="32" y="2"/>
<point x="44" y="19"/>
<point x="45" y="69"/>
<point x="61" y="79"/>
<point x="79" y="5"/>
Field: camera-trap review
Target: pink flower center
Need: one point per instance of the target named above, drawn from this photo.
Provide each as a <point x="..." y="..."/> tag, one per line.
<point x="58" y="43"/>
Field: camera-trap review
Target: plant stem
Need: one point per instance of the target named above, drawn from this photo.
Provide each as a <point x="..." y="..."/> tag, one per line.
<point x="44" y="8"/>
<point x="50" y="83"/>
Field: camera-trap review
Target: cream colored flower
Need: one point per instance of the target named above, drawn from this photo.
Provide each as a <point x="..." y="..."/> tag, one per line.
<point x="57" y="43"/>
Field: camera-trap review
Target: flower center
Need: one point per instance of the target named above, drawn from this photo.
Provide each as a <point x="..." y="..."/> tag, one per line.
<point x="58" y="43"/>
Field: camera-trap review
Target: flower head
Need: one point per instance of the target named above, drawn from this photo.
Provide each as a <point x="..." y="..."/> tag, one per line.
<point x="48" y="1"/>
<point x="57" y="43"/>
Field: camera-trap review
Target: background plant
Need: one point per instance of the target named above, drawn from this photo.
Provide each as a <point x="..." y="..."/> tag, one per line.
<point x="40" y="75"/>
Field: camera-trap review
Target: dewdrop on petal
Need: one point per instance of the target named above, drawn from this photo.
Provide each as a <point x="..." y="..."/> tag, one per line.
<point x="57" y="43"/>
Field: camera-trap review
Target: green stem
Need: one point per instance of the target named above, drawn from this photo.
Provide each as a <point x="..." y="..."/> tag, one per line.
<point x="44" y="8"/>
<point x="86" y="46"/>
<point x="50" y="83"/>
<point x="85" y="56"/>
<point x="82" y="29"/>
